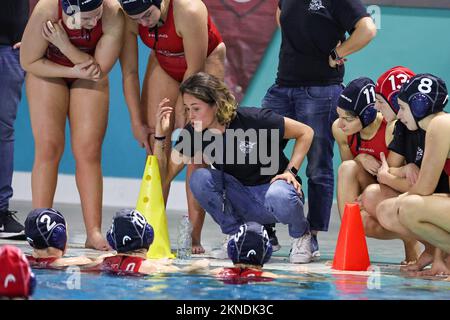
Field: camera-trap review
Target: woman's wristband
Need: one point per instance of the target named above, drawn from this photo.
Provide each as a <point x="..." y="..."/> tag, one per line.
<point x="162" y="138"/>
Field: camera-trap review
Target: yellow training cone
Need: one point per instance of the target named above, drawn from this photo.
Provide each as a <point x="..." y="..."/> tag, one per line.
<point x="151" y="205"/>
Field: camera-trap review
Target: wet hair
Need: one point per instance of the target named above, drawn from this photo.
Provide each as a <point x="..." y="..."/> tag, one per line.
<point x="212" y="91"/>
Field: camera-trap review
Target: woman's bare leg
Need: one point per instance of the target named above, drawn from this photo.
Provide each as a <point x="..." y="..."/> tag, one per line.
<point x="352" y="180"/>
<point x="48" y="100"/>
<point x="373" y="195"/>
<point x="427" y="217"/>
<point x="88" y="116"/>
<point x="157" y="86"/>
<point x="439" y="266"/>
<point x="387" y="216"/>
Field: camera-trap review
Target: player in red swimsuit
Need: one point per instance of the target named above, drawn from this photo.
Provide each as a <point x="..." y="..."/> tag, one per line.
<point x="386" y="91"/>
<point x="362" y="136"/>
<point x="390" y="182"/>
<point x="249" y="249"/>
<point x="184" y="41"/>
<point x="420" y="213"/>
<point x="68" y="49"/>
<point x="131" y="236"/>
<point x="46" y="232"/>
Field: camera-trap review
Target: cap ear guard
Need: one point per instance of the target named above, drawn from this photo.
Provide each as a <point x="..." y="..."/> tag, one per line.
<point x="32" y="284"/>
<point x="420" y="105"/>
<point x="394" y="102"/>
<point x="110" y="237"/>
<point x="266" y="244"/>
<point x="232" y="251"/>
<point x="58" y="238"/>
<point x="368" y="115"/>
<point x="148" y="237"/>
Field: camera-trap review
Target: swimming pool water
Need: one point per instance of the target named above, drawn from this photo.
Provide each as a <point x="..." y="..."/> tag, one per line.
<point x="86" y="286"/>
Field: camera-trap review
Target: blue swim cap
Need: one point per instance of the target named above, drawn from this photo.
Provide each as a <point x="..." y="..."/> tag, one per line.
<point x="359" y="98"/>
<point x="46" y="227"/>
<point x="250" y="245"/>
<point x="72" y="6"/>
<point x="129" y="231"/>
<point x="425" y="94"/>
<point x="134" y="7"/>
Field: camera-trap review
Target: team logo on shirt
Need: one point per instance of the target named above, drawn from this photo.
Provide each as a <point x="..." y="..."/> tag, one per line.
<point x="419" y="154"/>
<point x="316" y="5"/>
<point x="246" y="146"/>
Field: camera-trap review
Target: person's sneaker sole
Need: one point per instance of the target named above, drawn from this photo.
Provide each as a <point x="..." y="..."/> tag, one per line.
<point x="300" y="260"/>
<point x="14" y="236"/>
<point x="276" y="248"/>
<point x="316" y="256"/>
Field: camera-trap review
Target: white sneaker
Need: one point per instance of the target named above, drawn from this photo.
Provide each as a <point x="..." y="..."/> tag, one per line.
<point x="222" y="252"/>
<point x="301" y="249"/>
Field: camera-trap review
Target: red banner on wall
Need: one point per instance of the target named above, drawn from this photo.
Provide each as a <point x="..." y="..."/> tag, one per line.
<point x="247" y="27"/>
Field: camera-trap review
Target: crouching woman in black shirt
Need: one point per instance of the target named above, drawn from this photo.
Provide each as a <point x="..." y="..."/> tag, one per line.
<point x="252" y="180"/>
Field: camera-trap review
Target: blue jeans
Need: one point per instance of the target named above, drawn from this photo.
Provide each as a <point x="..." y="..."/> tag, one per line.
<point x="265" y="204"/>
<point x="11" y="80"/>
<point x="315" y="107"/>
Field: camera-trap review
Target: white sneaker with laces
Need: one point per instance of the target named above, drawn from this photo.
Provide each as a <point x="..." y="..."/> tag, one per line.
<point x="301" y="249"/>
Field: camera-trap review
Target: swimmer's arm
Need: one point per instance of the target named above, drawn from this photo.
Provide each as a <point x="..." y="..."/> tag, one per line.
<point x="175" y="164"/>
<point x="74" y="54"/>
<point x="303" y="136"/>
<point x="267" y="274"/>
<point x="216" y="271"/>
<point x="199" y="266"/>
<point x="149" y="267"/>
<point x="437" y="140"/>
<point x="395" y="176"/>
<point x="34" y="47"/>
<point x="168" y="168"/>
<point x="73" y="261"/>
<point x="109" y="46"/>
<point x="341" y="140"/>
<point x="96" y="262"/>
<point x="110" y="41"/>
<point x="191" y="24"/>
<point x="130" y="72"/>
<point x="277" y="16"/>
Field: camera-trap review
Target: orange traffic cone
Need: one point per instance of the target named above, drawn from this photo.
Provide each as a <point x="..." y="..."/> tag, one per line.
<point x="351" y="250"/>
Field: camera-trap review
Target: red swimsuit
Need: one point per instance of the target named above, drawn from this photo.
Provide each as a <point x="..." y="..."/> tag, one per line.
<point x="41" y="263"/>
<point x="122" y="264"/>
<point x="242" y="276"/>
<point x="447" y="167"/>
<point x="374" y="146"/>
<point x="169" y="46"/>
<point x="84" y="39"/>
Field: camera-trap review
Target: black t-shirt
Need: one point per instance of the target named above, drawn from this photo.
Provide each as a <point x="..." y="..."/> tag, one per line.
<point x="411" y="145"/>
<point x="253" y="142"/>
<point x="309" y="31"/>
<point x="13" y="19"/>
